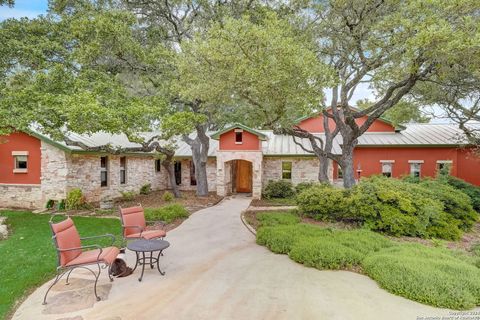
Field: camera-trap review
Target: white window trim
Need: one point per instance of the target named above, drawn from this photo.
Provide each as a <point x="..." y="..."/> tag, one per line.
<point x="20" y="170"/>
<point x="445" y="161"/>
<point x="387" y="161"/>
<point x="19" y="153"/>
<point x="416" y="161"/>
<point x="240" y="131"/>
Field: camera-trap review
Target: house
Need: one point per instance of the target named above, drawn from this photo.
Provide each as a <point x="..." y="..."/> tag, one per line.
<point x="35" y="168"/>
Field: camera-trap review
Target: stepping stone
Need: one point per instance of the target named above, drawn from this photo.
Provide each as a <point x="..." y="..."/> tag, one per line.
<point x="75" y="300"/>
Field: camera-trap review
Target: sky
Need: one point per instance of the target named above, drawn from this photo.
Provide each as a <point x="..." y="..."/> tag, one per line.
<point x="24" y="8"/>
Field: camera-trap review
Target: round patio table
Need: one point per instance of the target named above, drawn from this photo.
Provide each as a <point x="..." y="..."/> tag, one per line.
<point x="143" y="246"/>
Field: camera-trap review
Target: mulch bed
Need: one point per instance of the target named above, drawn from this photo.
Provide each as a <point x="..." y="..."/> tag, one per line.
<point x="269" y="203"/>
<point x="189" y="199"/>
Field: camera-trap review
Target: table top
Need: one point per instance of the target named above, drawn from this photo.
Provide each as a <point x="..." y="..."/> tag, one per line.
<point x="143" y="245"/>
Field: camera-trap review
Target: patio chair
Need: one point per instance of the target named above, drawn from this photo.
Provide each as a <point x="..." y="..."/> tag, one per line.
<point x="134" y="225"/>
<point x="72" y="255"/>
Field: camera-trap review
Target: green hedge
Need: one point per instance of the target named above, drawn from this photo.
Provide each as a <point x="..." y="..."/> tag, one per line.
<point x="278" y="189"/>
<point x="428" y="275"/>
<point x="434" y="276"/>
<point x="426" y="208"/>
<point x="168" y="213"/>
<point x="277" y="218"/>
<point x="469" y="189"/>
<point x="322" y="202"/>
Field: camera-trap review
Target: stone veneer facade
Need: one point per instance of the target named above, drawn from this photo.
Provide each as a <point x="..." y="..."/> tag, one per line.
<point x="61" y="172"/>
<point x="224" y="183"/>
<point x="304" y="169"/>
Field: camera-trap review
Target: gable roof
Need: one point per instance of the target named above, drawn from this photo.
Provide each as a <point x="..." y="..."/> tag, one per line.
<point x="397" y="127"/>
<point x="415" y="135"/>
<point x="217" y="134"/>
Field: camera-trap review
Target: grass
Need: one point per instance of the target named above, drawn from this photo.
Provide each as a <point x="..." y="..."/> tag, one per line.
<point x="168" y="213"/>
<point x="436" y="276"/>
<point x="28" y="255"/>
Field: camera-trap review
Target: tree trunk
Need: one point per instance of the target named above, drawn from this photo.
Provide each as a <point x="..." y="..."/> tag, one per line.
<point x="200" y="146"/>
<point x="346" y="163"/>
<point x="202" y="179"/>
<point x="323" y="169"/>
<point x="168" y="165"/>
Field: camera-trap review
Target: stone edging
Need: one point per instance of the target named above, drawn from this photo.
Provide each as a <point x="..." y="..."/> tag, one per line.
<point x="3" y="228"/>
<point x="245" y="223"/>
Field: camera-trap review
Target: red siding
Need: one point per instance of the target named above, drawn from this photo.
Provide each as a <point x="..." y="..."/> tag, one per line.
<point x="468" y="167"/>
<point x="465" y="165"/>
<point x="20" y="142"/>
<point x="250" y="141"/>
<point x="315" y="124"/>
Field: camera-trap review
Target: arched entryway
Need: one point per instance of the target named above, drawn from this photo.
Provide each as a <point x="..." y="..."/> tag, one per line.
<point x="241" y="176"/>
<point x="239" y="172"/>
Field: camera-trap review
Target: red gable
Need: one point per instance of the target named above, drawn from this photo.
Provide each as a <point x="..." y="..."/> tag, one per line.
<point x="314" y="124"/>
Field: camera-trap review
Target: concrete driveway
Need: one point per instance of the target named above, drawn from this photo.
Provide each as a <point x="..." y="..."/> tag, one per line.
<point x="214" y="270"/>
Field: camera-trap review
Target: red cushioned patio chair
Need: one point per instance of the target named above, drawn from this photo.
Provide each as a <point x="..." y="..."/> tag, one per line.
<point x="72" y="255"/>
<point x="134" y="225"/>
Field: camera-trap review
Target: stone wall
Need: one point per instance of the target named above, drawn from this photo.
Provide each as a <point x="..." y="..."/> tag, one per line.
<point x="186" y="183"/>
<point x="84" y="173"/>
<point x="303" y="169"/>
<point x="223" y="170"/>
<point x="21" y="196"/>
<point x="54" y="172"/>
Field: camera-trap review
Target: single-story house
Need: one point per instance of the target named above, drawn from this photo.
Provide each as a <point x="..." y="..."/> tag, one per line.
<point x="35" y="168"/>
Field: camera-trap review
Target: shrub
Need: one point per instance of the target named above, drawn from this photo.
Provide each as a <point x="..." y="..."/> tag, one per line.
<point x="146" y="189"/>
<point x="455" y="202"/>
<point x="167" y="196"/>
<point x="469" y="189"/>
<point x="277" y="218"/>
<point x="278" y="189"/>
<point x="168" y="213"/>
<point x="324" y="254"/>
<point x="303" y="186"/>
<point x="75" y="200"/>
<point x="128" y="195"/>
<point x="50" y="204"/>
<point x="429" y="275"/>
<point x="280" y="238"/>
<point x="322" y="202"/>
<point x="400" y="208"/>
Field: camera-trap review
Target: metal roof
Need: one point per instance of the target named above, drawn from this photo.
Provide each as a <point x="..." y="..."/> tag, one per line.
<point x="283" y="145"/>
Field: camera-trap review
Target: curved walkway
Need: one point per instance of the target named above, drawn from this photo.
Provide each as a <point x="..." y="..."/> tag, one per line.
<point x="214" y="270"/>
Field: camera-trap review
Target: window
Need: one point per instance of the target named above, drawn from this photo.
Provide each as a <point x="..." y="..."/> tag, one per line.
<point x="123" y="170"/>
<point x="387" y="167"/>
<point x="238" y="136"/>
<point x="178" y="172"/>
<point x="339" y="172"/>
<point x="193" y="180"/>
<point x="415" y="169"/>
<point x="103" y="171"/>
<point x="21" y="161"/>
<point x="444" y="166"/>
<point x="158" y="165"/>
<point x="287" y="170"/>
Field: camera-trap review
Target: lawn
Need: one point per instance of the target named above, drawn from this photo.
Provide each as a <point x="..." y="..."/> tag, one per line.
<point x="28" y="255"/>
<point x="432" y="275"/>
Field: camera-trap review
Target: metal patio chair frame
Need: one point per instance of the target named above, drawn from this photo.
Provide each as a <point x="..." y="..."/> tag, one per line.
<point x="140" y="228"/>
<point x="63" y="270"/>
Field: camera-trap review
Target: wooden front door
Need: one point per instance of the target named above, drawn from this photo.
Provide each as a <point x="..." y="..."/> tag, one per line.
<point x="244" y="176"/>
